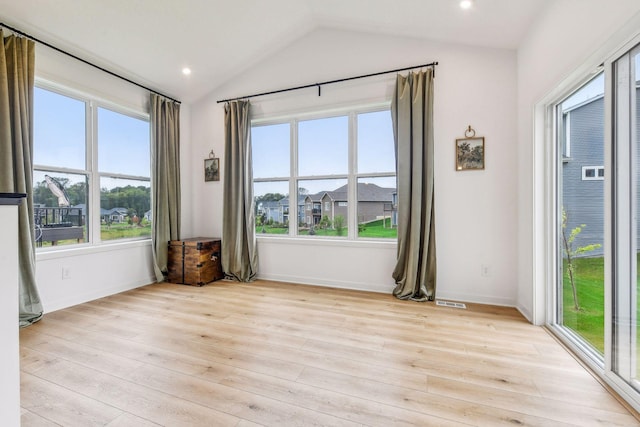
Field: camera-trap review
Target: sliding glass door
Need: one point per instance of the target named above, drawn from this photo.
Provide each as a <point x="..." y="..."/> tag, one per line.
<point x="597" y="222"/>
<point x="625" y="153"/>
<point x="581" y="209"/>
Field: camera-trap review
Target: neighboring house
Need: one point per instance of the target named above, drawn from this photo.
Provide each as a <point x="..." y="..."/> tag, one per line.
<point x="583" y="171"/>
<point x="313" y="208"/>
<point x="284" y="208"/>
<point x="271" y="211"/>
<point x="148" y="215"/>
<point x="116" y="215"/>
<point x="374" y="203"/>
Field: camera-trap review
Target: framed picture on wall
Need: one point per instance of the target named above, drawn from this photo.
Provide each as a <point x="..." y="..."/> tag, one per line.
<point x="470" y="153"/>
<point x="212" y="169"/>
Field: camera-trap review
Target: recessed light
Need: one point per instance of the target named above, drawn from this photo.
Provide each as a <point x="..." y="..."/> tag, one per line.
<point x="186" y="71"/>
<point x="466" y="4"/>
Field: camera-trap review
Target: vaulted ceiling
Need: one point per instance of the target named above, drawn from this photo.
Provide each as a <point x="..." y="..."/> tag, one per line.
<point x="150" y="41"/>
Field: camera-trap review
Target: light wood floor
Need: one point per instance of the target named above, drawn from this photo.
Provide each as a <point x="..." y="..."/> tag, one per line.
<point x="275" y="354"/>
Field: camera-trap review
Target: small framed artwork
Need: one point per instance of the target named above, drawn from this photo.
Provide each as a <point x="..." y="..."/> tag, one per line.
<point x="212" y="169"/>
<point x="470" y="153"/>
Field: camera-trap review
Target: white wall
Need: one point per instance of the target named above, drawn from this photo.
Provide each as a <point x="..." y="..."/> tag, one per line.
<point x="9" y="317"/>
<point x="570" y="39"/>
<point x="475" y="211"/>
<point x="95" y="272"/>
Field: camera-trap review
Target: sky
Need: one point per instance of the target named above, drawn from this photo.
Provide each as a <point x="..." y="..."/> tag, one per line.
<point x="323" y="150"/>
<point x="594" y="88"/>
<point x="59" y="138"/>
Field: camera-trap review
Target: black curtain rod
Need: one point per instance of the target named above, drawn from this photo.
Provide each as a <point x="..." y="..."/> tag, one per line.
<point x="319" y="85"/>
<point x="2" y="24"/>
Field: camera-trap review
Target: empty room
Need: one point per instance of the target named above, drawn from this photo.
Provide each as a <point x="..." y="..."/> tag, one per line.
<point x="320" y="212"/>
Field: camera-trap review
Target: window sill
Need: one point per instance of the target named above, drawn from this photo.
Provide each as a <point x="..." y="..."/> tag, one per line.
<point x="360" y="243"/>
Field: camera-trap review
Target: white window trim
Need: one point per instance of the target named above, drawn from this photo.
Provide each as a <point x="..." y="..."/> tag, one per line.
<point x="92" y="103"/>
<point x="351" y="176"/>
<point x="545" y="224"/>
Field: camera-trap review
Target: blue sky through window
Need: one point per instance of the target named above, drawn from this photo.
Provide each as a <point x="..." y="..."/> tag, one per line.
<point x="123" y="144"/>
<point x="60" y="135"/>
<point x="59" y="130"/>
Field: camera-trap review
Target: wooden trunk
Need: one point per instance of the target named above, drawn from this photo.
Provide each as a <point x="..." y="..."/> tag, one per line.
<point x="194" y="261"/>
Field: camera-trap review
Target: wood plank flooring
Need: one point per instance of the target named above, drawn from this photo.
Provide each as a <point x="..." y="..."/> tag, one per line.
<point x="275" y="354"/>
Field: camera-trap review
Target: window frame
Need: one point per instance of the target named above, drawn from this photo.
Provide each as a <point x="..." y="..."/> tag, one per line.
<point x="352" y="176"/>
<point x="91" y="171"/>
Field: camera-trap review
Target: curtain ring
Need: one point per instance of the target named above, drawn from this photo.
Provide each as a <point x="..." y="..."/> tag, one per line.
<point x="469" y="132"/>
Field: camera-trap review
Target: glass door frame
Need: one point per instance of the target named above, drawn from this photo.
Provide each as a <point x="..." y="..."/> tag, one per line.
<point x="618" y="368"/>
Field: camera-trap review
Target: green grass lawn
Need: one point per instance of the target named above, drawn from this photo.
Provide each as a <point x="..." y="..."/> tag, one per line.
<point x="376" y="229"/>
<point x="588" y="321"/>
<point x="124" y="231"/>
<point x="373" y="229"/>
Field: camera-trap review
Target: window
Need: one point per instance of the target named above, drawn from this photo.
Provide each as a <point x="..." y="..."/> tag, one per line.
<point x="580" y="213"/>
<point x="597" y="231"/>
<point x="592" y="173"/>
<point x="91" y="171"/>
<point x="330" y="163"/>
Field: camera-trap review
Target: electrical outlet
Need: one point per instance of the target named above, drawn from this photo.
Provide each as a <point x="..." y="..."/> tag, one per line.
<point x="485" y="270"/>
<point x="66" y="272"/>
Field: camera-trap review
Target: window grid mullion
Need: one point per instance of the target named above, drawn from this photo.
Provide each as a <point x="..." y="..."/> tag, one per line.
<point x="294" y="215"/>
<point x="94" y="178"/>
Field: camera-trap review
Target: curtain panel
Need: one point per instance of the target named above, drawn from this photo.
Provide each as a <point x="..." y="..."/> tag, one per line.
<point x="412" y="114"/>
<point x="17" y="77"/>
<point x="239" y="254"/>
<point x="165" y="179"/>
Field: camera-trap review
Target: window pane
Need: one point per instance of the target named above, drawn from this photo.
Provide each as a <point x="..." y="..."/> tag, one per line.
<point x="377" y="208"/>
<point x="59" y="130"/>
<point x="315" y="219"/>
<point x="323" y="146"/>
<point x="271" y="207"/>
<point x="123" y="144"/>
<point x="60" y="208"/>
<point x="270" y="150"/>
<point x="375" y="143"/>
<point x="125" y="208"/>
<point x="581" y="213"/>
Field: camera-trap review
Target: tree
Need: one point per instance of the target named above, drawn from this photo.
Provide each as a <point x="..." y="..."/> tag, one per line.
<point x="571" y="253"/>
<point x="463" y="151"/>
<point x="338" y="224"/>
<point x="325" y="222"/>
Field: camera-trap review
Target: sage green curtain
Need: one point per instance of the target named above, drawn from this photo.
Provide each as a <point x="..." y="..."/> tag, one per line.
<point x="165" y="179"/>
<point x="412" y="113"/>
<point x="239" y="254"/>
<point x="17" y="73"/>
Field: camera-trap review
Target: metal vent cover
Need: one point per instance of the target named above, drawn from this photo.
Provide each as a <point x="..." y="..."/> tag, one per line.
<point x="451" y="304"/>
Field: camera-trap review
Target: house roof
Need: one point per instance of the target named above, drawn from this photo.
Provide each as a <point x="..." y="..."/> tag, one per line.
<point x="366" y="193"/>
<point x="285" y="200"/>
<point x="270" y="204"/>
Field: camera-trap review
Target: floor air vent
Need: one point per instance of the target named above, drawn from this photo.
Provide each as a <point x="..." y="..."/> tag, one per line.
<point x="450" y="304"/>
